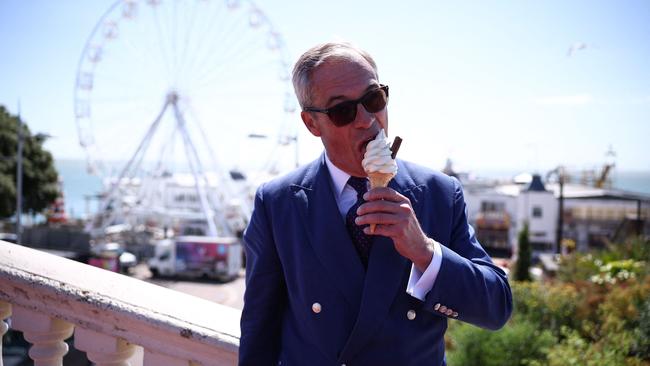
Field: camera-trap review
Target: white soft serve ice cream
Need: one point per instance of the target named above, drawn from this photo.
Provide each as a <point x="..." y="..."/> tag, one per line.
<point x="377" y="158"/>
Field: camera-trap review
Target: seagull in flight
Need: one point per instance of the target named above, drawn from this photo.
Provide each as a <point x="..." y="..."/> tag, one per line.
<point x="577" y="46"/>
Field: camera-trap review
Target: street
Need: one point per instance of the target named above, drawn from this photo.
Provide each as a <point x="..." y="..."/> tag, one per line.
<point x="229" y="293"/>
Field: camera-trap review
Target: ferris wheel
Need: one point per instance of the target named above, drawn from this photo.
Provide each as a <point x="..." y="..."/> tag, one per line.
<point x="171" y="85"/>
<point x="221" y="61"/>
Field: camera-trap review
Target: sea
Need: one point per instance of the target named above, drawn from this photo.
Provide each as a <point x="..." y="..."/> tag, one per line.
<point x="81" y="188"/>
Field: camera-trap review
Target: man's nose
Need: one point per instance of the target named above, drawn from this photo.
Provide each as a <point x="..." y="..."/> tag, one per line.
<point x="364" y="118"/>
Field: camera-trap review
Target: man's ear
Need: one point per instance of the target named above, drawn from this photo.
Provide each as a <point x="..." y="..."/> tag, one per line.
<point x="310" y="123"/>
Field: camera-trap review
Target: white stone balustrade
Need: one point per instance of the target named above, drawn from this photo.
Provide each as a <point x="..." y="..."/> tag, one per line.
<point x="5" y="312"/>
<point x="47" y="335"/>
<point x="112" y="316"/>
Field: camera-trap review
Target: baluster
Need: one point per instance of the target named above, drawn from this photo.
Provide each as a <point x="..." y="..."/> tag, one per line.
<point x="5" y="312"/>
<point x="102" y="349"/>
<point x="46" y="335"/>
<point x="152" y="358"/>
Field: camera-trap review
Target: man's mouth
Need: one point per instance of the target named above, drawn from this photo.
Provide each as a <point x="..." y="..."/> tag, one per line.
<point x="364" y="144"/>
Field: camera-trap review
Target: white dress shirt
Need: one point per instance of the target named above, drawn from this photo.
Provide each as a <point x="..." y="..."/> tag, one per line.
<point x="419" y="283"/>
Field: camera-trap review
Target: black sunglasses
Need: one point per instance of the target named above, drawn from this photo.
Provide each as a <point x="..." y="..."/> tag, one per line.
<point x="345" y="112"/>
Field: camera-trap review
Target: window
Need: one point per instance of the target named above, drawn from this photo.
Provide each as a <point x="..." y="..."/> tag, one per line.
<point x="490" y="206"/>
<point x="537" y="211"/>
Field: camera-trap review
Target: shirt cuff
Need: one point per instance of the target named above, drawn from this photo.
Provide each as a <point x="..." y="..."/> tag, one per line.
<point x="421" y="283"/>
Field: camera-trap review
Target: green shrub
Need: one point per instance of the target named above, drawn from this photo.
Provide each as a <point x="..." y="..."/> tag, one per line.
<point x="636" y="249"/>
<point x="519" y="343"/>
<point x="617" y="263"/>
<point x="524" y="256"/>
<point x="596" y="312"/>
<point x="552" y="306"/>
<point x="618" y="271"/>
<point x="578" y="267"/>
<point x="641" y="346"/>
<point x="575" y="350"/>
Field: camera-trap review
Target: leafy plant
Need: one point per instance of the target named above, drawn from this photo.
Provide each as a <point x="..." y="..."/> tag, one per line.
<point x="39" y="175"/>
<point x="618" y="271"/>
<point x="520" y="343"/>
<point x="595" y="312"/>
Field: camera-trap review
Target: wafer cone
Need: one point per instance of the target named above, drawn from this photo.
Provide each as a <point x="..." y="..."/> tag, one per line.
<point x="379" y="180"/>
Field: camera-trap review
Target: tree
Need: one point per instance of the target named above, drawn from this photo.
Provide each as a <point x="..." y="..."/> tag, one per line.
<point x="522" y="267"/>
<point x="39" y="174"/>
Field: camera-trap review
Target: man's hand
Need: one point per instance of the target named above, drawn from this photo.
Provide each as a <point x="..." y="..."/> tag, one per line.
<point x="395" y="218"/>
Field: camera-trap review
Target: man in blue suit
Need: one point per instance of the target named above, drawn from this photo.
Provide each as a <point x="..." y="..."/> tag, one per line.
<point x="313" y="297"/>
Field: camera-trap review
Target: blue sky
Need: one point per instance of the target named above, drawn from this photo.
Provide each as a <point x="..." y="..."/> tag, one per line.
<point x="490" y="84"/>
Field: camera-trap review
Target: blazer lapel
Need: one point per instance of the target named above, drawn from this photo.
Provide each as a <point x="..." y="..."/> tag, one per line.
<point x="386" y="276"/>
<point x="327" y="235"/>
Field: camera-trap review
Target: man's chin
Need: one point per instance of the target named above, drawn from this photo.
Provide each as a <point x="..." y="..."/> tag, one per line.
<point x="358" y="172"/>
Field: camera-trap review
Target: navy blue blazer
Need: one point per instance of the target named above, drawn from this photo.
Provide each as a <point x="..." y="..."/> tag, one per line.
<point x="299" y="254"/>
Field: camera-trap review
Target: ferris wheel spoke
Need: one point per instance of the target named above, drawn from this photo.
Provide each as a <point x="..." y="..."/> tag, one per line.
<point x="189" y="19"/>
<point x="125" y="84"/>
<point x="161" y="42"/>
<point x="222" y="41"/>
<point x="212" y="156"/>
<point x="131" y="99"/>
<point x="217" y="73"/>
<point x="144" y="55"/>
<point x="153" y="53"/>
<point x="126" y="109"/>
<point x="226" y="80"/>
<point x="205" y="30"/>
<point x="167" y="25"/>
<point x="173" y="41"/>
<point x="205" y="57"/>
<point x="242" y="51"/>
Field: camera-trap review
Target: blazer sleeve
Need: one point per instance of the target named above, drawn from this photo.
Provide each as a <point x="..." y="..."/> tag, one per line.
<point x="468" y="283"/>
<point x="266" y="295"/>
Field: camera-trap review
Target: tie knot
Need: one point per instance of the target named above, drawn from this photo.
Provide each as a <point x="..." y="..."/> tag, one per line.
<point x="359" y="184"/>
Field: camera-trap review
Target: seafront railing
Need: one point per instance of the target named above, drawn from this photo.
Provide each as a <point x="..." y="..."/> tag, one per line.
<point x="115" y="319"/>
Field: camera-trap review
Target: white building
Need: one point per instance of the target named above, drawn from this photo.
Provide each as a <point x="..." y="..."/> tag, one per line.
<point x="499" y="212"/>
<point x="591" y="216"/>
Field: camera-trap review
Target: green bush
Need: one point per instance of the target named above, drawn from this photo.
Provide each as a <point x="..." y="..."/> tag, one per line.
<point x="641" y="346"/>
<point x="616" y="263"/>
<point x="575" y="350"/>
<point x="596" y="312"/>
<point x="524" y="256"/>
<point x="618" y="271"/>
<point x="519" y="343"/>
<point x="552" y="306"/>
<point x="578" y="267"/>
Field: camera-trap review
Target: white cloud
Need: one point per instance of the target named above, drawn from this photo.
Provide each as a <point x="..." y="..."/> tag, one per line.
<point x="579" y="99"/>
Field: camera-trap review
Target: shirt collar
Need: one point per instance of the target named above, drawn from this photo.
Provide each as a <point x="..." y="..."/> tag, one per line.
<point x="339" y="177"/>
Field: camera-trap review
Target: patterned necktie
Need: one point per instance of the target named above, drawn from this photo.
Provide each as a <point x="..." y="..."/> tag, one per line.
<point x="362" y="242"/>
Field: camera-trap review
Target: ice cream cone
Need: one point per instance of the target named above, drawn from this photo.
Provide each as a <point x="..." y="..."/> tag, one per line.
<point x="378" y="180"/>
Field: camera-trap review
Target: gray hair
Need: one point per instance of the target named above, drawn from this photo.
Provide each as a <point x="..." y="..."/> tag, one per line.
<point x="316" y="56"/>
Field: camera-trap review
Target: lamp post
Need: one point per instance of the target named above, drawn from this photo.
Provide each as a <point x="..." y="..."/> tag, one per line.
<point x="285" y="140"/>
<point x="19" y="181"/>
<point x="559" y="172"/>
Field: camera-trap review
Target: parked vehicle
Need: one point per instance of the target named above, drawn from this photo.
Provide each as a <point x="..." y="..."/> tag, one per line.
<point x="197" y="256"/>
<point x="10" y="237"/>
<point x="112" y="257"/>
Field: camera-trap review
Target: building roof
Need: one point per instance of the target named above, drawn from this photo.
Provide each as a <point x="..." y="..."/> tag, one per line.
<point x="570" y="191"/>
<point x="579" y="191"/>
<point x="536" y="184"/>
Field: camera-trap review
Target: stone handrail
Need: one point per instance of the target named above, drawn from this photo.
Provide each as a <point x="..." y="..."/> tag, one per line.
<point x="49" y="298"/>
